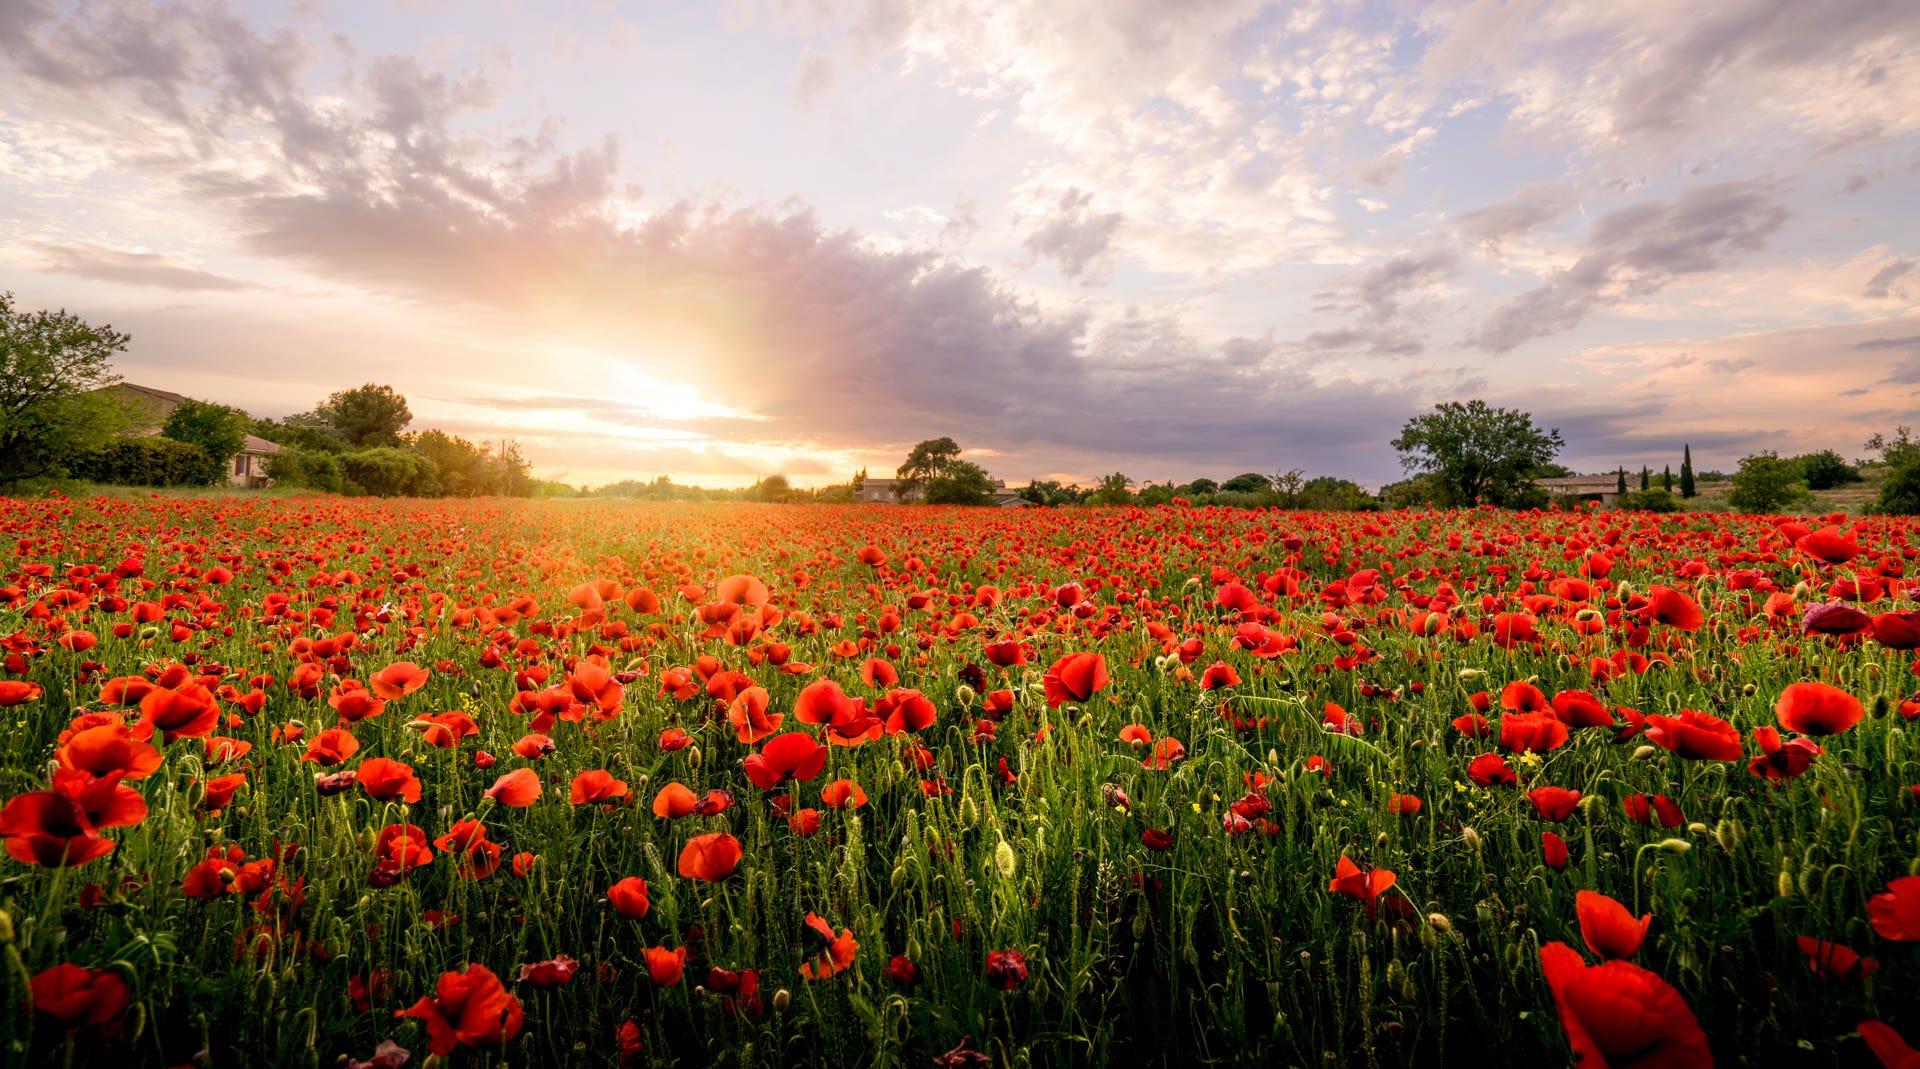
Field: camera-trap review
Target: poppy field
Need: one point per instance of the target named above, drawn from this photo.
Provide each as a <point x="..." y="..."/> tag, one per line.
<point x="315" y="781"/>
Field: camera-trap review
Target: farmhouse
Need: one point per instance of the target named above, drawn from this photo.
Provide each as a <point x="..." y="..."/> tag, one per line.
<point x="247" y="468"/>
<point x="880" y="492"/>
<point x="1602" y="488"/>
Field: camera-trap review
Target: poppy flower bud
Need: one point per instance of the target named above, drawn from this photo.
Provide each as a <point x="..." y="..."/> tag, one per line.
<point x="693" y="757"/>
<point x="1642" y="753"/>
<point x="6" y="926"/>
<point x="780" y="1000"/>
<point x="1004" y="860"/>
<point x="1748" y="690"/>
<point x="1696" y="828"/>
<point x="1881" y="707"/>
<point x="1441" y="923"/>
<point x="148" y="634"/>
<point x="966" y="696"/>
<point x="1785" y="884"/>
<point x="1675" y="846"/>
<point x="1470" y="837"/>
<point x="1471" y="675"/>
<point x="1729" y="833"/>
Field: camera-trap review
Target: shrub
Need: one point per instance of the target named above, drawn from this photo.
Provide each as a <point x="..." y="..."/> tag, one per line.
<point x="145" y="461"/>
<point x="1900" y="491"/>
<point x="1826" y="470"/>
<point x="1648" y="501"/>
<point x="389" y="472"/>
<point x="308" y="468"/>
<point x="1766" y="483"/>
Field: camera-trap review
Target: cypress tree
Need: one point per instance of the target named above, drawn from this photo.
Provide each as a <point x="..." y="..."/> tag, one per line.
<point x="1620" y="481"/>
<point x="1686" y="472"/>
<point x="1644" y="474"/>
<point x="1666" y="478"/>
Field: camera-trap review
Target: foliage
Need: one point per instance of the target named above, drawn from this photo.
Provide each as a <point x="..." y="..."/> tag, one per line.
<point x="389" y="471"/>
<point x="1051" y="492"/>
<point x="960" y="482"/>
<point x="1766" y="483"/>
<point x="1687" y="488"/>
<point x="369" y="415"/>
<point x="1114" y="489"/>
<point x="1648" y="501"/>
<point x="924" y="461"/>
<point x="1900" y="487"/>
<point x="51" y="365"/>
<point x="219" y="430"/>
<point x="1327" y="494"/>
<point x="145" y="460"/>
<point x="309" y="469"/>
<point x="465" y="469"/>
<point x="1826" y="470"/>
<point x="1247" y="482"/>
<point x="1479" y="453"/>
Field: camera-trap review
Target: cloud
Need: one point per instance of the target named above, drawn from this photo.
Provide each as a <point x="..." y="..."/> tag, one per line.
<point x="815" y="78"/>
<point x="89" y="260"/>
<point x="1911" y="341"/>
<point x="1378" y="299"/>
<point x="1523" y="213"/>
<point x="1075" y="237"/>
<point x="1635" y="252"/>
<point x="1881" y="285"/>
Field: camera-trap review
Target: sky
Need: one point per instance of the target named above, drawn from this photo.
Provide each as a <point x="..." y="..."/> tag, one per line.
<point x="719" y="241"/>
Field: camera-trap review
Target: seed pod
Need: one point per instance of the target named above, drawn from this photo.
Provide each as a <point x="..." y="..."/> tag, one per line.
<point x="1004" y="860"/>
<point x="1642" y="753"/>
<point x="1729" y="832"/>
<point x="1785" y="884"/>
<point x="1677" y="846"/>
<point x="1470" y="837"/>
<point x="966" y="696"/>
<point x="781" y="999"/>
<point x="693" y="757"/>
<point x="1440" y="923"/>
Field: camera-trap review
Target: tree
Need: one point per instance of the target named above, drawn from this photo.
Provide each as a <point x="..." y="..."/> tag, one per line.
<point x="1479" y="453"/>
<point x="1666" y="478"/>
<point x="1200" y="488"/>
<point x="1646" y="475"/>
<point x="1620" y="481"/>
<point x="1826" y="470"/>
<point x="1289" y="485"/>
<point x="960" y="483"/>
<point x="220" y="430"/>
<point x="51" y="366"/>
<point x="1327" y="494"/>
<point x="1900" y="488"/>
<point x="1248" y="482"/>
<point x="1686" y="472"/>
<point x="923" y="462"/>
<point x="1113" y="490"/>
<point x="364" y="416"/>
<point x="1765" y="483"/>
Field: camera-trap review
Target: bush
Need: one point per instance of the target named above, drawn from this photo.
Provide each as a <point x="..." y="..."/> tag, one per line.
<point x="145" y="461"/>
<point x="1766" y="483"/>
<point x="389" y="472"/>
<point x="1648" y="501"/>
<point x="1900" y="491"/>
<point x="307" y="468"/>
<point x="1826" y="470"/>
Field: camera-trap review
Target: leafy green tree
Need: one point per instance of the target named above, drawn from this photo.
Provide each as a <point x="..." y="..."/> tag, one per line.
<point x="1288" y="486"/>
<point x="1201" y="487"/>
<point x="220" y="430"/>
<point x="1247" y="482"/>
<point x="52" y="365"/>
<point x="1766" y="483"/>
<point x="312" y="469"/>
<point x="1686" y="472"/>
<point x="1050" y="492"/>
<point x="1328" y="494"/>
<point x="1114" y="489"/>
<point x="774" y="489"/>
<point x="1648" y="501"/>
<point x="389" y="471"/>
<point x="364" y="416"/>
<point x="1900" y="488"/>
<point x="960" y="482"/>
<point x="1826" y="470"/>
<point x="1480" y="454"/>
<point x="924" y="461"/>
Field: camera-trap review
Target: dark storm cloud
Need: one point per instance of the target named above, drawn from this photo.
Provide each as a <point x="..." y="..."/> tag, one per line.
<point x="1635" y="252"/>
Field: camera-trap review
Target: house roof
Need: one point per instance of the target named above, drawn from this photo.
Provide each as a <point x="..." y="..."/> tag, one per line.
<point x="166" y="396"/>
<point x="260" y="445"/>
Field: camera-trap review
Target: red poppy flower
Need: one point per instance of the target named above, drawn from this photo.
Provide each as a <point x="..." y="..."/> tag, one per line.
<point x="665" y="967"/>
<point x="836" y="957"/>
<point x="793" y="756"/>
<point x="1075" y="678"/>
<point x="18" y="692"/>
<point x="471" y="1008"/>
<point x="399" y="680"/>
<point x="596" y="786"/>
<point x="557" y="972"/>
<point x="1831" y="961"/>
<point x="1895" y="912"/>
<point x="1894" y="630"/>
<point x="1673" y="608"/>
<point x="1532" y="733"/>
<point x="1886" y="1044"/>
<point x="106" y="749"/>
<point x="188" y="712"/>
<point x="384" y="780"/>
<point x="629" y="898"/>
<point x="711" y="857"/>
<point x="843" y="794"/>
<point x="902" y="711"/>
<point x="1695" y="735"/>
<point x="1219" y="674"/>
<point x="749" y="717"/>
<point x="1553" y="850"/>
<point x="331" y="747"/>
<point x="1816" y="709"/>
<point x="77" y="997"/>
<point x="1491" y="770"/>
<point x="1553" y="803"/>
<point x="1828" y="546"/>
<point x="1618" y="1014"/>
<point x="1366" y="884"/>
<point x="1609" y="930"/>
<point x="517" y="789"/>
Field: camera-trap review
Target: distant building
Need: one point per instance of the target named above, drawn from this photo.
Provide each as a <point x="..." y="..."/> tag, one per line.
<point x="880" y="492"/>
<point x="1602" y="488"/>
<point x="247" y="468"/>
